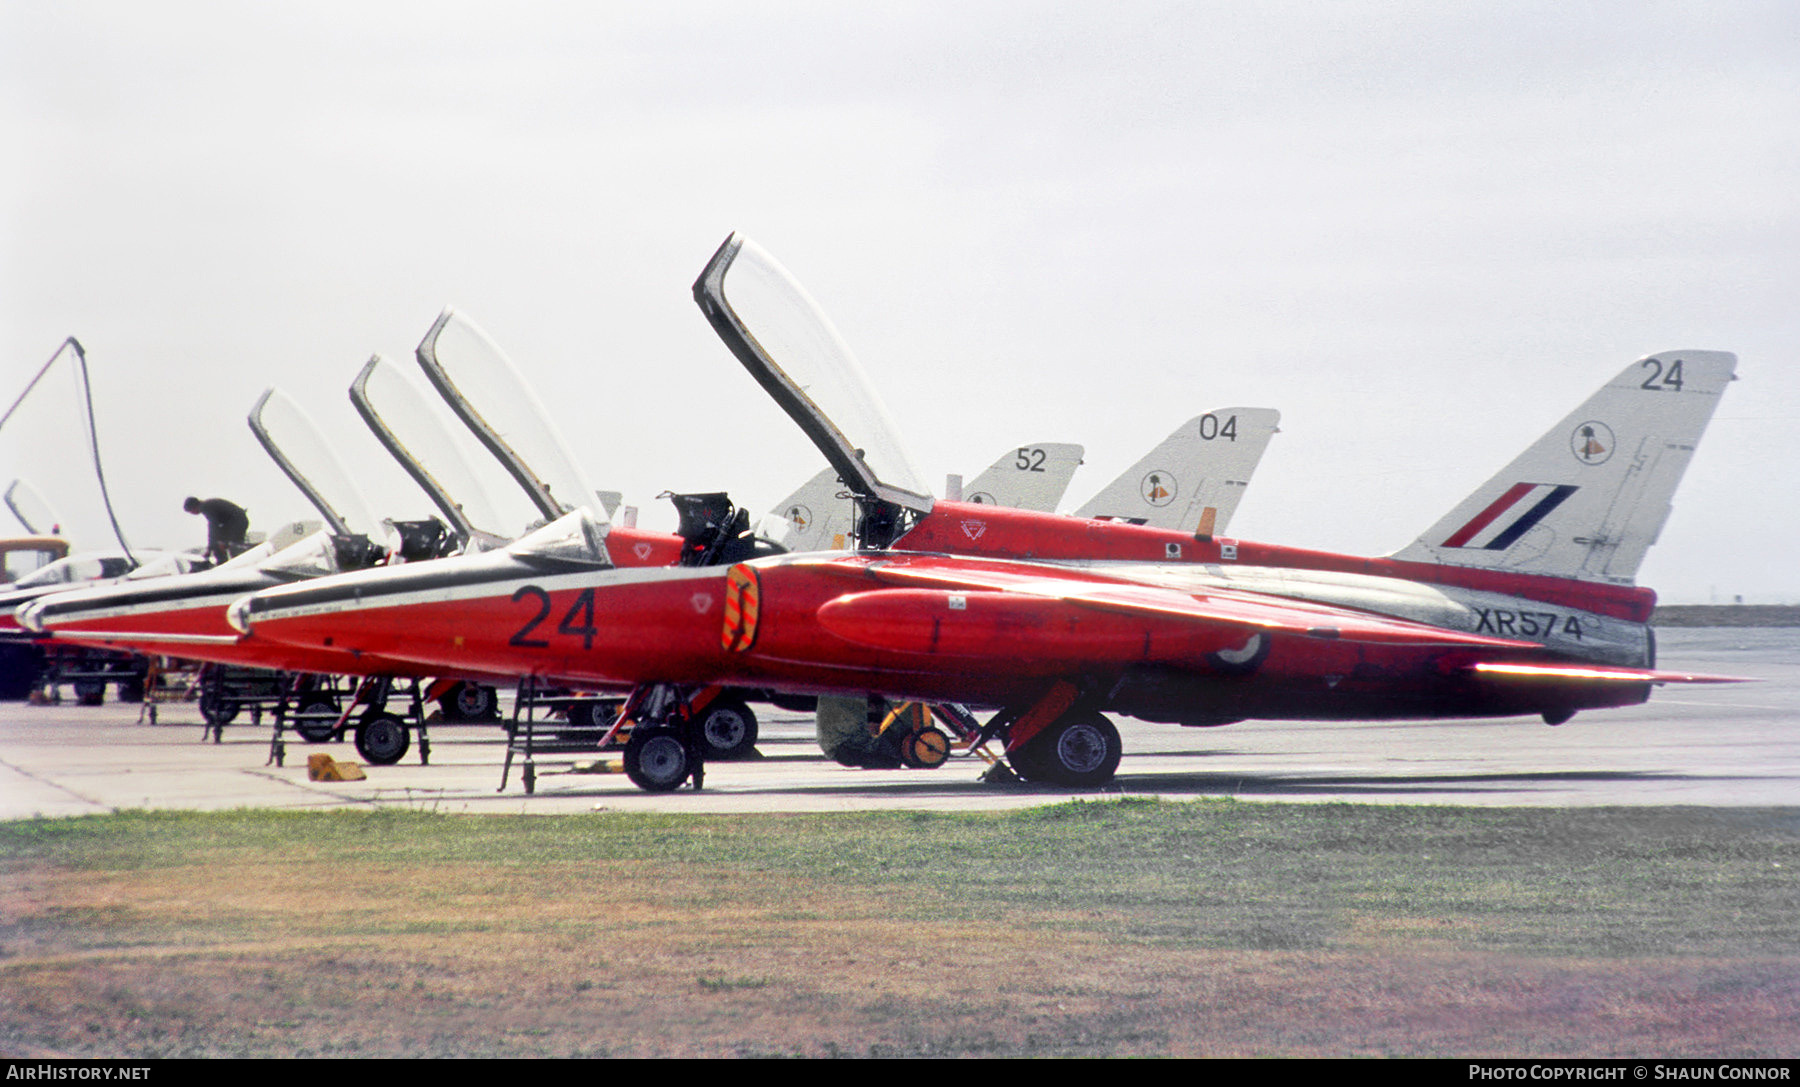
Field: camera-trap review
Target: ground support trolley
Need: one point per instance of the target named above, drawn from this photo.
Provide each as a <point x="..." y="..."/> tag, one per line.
<point x="227" y="690"/>
<point x="875" y="734"/>
<point x="555" y="721"/>
<point x="88" y="671"/>
<point x="321" y="709"/>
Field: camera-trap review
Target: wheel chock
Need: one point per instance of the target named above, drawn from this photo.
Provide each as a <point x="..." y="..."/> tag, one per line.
<point x="999" y="774"/>
<point x="322" y="767"/>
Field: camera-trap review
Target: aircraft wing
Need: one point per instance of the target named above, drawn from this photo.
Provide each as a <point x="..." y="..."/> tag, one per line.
<point x="942" y="604"/>
<point x="943" y="584"/>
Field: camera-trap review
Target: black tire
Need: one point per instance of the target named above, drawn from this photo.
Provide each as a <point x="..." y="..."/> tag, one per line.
<point x="316" y="732"/>
<point x="215" y="710"/>
<point x="132" y="689"/>
<point x="470" y="702"/>
<point x="1080" y="749"/>
<point x="1026" y="764"/>
<point x="657" y="760"/>
<point x="90" y="692"/>
<point x="588" y="721"/>
<point x="728" y="729"/>
<point x="382" y="739"/>
<point x="594" y="714"/>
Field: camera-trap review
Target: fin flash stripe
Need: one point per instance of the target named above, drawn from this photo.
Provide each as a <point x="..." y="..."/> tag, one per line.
<point x="1500" y="525"/>
<point x="743" y="602"/>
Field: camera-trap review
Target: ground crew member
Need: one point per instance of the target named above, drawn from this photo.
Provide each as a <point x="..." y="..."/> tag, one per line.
<point x="226" y="524"/>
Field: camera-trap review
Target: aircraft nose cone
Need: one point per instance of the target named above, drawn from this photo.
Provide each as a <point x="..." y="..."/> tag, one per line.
<point x="238" y="615"/>
<point x="31" y="616"/>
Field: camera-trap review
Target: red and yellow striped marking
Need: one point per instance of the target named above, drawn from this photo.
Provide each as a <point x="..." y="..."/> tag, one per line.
<point x="743" y="601"/>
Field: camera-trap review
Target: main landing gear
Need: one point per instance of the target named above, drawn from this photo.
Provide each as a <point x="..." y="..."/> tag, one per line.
<point x="1062" y="741"/>
<point x="1080" y="749"/>
<point x="669" y="742"/>
<point x="673" y="734"/>
<point x="660" y="758"/>
<point x="668" y="733"/>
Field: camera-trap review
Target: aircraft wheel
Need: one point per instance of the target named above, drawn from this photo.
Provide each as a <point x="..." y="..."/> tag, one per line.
<point x="470" y="702"/>
<point x="89" y="692"/>
<point x="1025" y="763"/>
<point x="728" y="729"/>
<point x="588" y="721"/>
<point x="316" y="732"/>
<point x="382" y="738"/>
<point x="595" y="714"/>
<point x="131" y="690"/>
<point x="926" y="749"/>
<point x="215" y="710"/>
<point x="1081" y="749"/>
<point x="657" y="759"/>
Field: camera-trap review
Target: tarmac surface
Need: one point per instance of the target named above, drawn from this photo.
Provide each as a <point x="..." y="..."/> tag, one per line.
<point x="1726" y="745"/>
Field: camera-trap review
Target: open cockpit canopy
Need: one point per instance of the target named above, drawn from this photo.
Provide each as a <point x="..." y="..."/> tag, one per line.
<point x="403" y="421"/>
<point x="485" y="390"/>
<point x="301" y="451"/>
<point x="782" y="336"/>
<point x="32" y="509"/>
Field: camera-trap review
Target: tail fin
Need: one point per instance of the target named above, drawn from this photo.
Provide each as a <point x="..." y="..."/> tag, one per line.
<point x="1031" y="477"/>
<point x="1194" y="480"/>
<point x="1589" y="497"/>
<point x="820" y="515"/>
<point x="816" y="518"/>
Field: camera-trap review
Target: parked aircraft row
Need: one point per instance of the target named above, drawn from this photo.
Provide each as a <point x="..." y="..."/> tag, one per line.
<point x="1205" y="461"/>
<point x="1521" y="600"/>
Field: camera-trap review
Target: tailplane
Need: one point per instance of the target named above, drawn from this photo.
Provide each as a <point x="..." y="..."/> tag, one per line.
<point x="1194" y="480"/>
<point x="1588" y="498"/>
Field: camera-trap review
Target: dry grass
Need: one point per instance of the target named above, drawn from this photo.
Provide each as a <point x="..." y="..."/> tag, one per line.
<point x="1098" y="930"/>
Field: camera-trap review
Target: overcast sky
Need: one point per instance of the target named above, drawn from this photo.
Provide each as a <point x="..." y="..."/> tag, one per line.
<point x="1423" y="231"/>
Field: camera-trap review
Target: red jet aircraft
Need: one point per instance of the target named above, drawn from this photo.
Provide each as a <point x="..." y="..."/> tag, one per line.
<point x="1519" y="601"/>
<point x="185" y="616"/>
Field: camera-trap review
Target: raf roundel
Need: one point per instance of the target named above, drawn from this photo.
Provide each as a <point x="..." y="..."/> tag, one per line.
<point x="1592" y="442"/>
